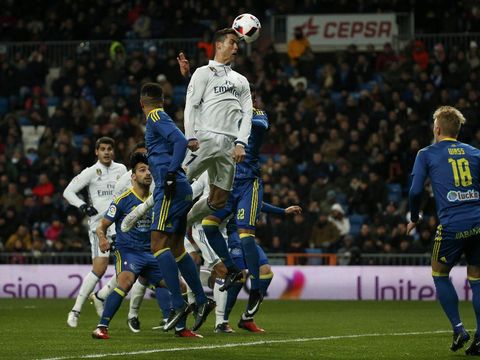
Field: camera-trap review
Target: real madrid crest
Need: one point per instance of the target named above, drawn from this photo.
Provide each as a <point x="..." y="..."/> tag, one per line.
<point x="99" y="172"/>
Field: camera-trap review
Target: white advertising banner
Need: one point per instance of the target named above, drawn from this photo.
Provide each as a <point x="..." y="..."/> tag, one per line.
<point x="335" y="30"/>
<point x="289" y="282"/>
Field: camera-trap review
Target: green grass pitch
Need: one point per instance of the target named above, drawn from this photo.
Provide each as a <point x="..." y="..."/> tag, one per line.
<point x="37" y="329"/>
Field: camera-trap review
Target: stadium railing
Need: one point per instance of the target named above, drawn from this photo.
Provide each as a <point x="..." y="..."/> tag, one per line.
<point x="448" y="40"/>
<point x="324" y="259"/>
<point x="55" y="52"/>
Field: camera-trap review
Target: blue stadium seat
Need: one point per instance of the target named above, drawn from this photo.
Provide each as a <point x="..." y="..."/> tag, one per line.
<point x="314" y="260"/>
<point x="356" y="222"/>
<point x="394" y="192"/>
<point x="342" y="199"/>
<point x="3" y="105"/>
<point x="53" y="101"/>
<point x="78" y="141"/>
<point x="24" y="121"/>
<point x="178" y="96"/>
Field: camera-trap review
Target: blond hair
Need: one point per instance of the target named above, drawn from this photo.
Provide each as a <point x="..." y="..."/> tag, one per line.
<point x="449" y="119"/>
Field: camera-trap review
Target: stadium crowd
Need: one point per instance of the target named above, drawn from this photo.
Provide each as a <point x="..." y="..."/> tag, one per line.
<point x="345" y="127"/>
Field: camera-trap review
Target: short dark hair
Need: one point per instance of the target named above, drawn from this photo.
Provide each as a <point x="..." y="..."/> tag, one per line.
<point x="152" y="94"/>
<point x="140" y="145"/>
<point x="220" y="35"/>
<point x="137" y="158"/>
<point x="104" y="140"/>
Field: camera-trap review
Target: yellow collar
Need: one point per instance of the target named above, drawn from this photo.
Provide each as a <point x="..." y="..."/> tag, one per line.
<point x="449" y="139"/>
<point x="138" y="196"/>
<point x="157" y="109"/>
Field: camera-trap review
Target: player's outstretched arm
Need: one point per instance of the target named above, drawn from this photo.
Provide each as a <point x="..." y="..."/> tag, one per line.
<point x="271" y="209"/>
<point x="104" y="244"/>
<point x="131" y="219"/>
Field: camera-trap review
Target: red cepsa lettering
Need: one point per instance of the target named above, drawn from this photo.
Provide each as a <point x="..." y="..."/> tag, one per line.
<point x="367" y="29"/>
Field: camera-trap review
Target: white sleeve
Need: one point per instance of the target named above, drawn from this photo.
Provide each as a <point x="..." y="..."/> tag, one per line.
<point x="78" y="183"/>
<point x="247" y="113"/>
<point x="195" y="92"/>
<point x="123" y="184"/>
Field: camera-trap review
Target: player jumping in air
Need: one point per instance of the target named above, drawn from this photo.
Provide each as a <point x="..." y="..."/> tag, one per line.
<point x="218" y="115"/>
<point x="453" y="168"/>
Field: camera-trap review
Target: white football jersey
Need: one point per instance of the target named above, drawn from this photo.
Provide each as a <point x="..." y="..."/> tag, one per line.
<point x="218" y="100"/>
<point x="100" y="180"/>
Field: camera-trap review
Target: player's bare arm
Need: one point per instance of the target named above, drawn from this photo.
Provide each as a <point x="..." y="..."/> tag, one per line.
<point x="183" y="64"/>
<point x="104" y="244"/>
<point x="293" y="210"/>
<point x="239" y="153"/>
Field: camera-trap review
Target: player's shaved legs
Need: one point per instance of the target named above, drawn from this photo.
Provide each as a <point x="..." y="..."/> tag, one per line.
<point x="220" y="270"/>
<point x="176" y="245"/>
<point x="100" y="265"/>
<point x="125" y="280"/>
<point x="159" y="241"/>
<point x="218" y="197"/>
<point x="473" y="271"/>
<point x="438" y="267"/>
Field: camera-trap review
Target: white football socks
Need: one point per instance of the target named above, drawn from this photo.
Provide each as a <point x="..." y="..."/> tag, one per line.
<point x="137" y="294"/>
<point x="103" y="293"/>
<point x="220" y="298"/>
<point x="88" y="284"/>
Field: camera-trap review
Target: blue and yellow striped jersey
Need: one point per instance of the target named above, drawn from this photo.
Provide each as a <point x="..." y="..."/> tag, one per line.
<point x="250" y="167"/>
<point x="138" y="238"/>
<point x="453" y="168"/>
<point x="159" y="147"/>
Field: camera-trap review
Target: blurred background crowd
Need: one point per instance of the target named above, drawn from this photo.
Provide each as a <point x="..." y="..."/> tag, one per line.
<point x="345" y="126"/>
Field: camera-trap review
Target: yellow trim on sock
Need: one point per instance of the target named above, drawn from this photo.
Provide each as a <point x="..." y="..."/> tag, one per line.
<point x="266" y="276"/>
<point x="160" y="252"/>
<point x="439" y="274"/>
<point x="244" y="235"/>
<point x="181" y="257"/>
<point x="471" y="278"/>
<point x="119" y="291"/>
<point x="209" y="222"/>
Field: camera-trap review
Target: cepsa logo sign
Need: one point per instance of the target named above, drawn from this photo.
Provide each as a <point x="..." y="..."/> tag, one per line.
<point x="334" y="30"/>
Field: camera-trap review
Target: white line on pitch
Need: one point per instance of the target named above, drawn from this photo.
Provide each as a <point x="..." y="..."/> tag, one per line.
<point x="252" y="343"/>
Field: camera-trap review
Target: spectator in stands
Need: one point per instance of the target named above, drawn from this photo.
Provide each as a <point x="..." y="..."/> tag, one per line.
<point x="44" y="187"/>
<point x="325" y="234"/>
<point x="337" y="217"/>
<point x="420" y="55"/>
<point x="297" y="46"/>
<point x="11" y="198"/>
<point x="74" y="235"/>
<point x="20" y="241"/>
<point x="386" y="58"/>
<point x="53" y="232"/>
